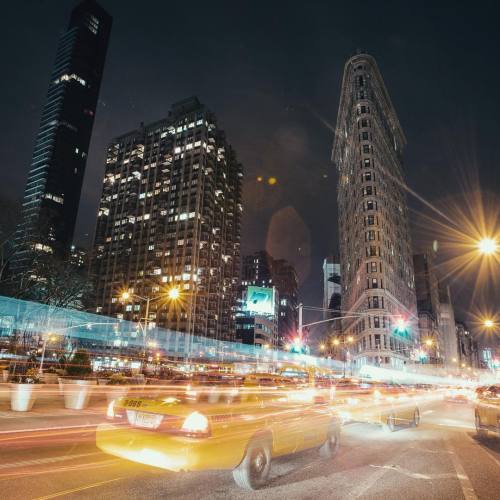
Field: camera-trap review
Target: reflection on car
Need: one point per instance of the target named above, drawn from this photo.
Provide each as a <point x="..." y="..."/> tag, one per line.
<point x="487" y="410"/>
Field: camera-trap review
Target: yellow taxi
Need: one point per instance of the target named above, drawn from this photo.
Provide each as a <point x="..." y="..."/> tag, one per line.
<point x="389" y="405"/>
<point x="487" y="410"/>
<point x="242" y="430"/>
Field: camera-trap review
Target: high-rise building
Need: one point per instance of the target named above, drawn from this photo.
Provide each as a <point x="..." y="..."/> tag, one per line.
<point x="375" y="246"/>
<point x="332" y="289"/>
<point x="169" y="216"/>
<point x="427" y="292"/>
<point x="257" y="320"/>
<point x="261" y="269"/>
<point x="468" y="348"/>
<point x="447" y="327"/>
<point x="55" y="178"/>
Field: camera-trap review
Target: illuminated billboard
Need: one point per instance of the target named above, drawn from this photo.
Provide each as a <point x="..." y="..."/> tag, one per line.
<point x="260" y="300"/>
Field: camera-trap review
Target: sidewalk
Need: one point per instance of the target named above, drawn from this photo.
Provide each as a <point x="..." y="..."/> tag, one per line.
<point x="48" y="412"/>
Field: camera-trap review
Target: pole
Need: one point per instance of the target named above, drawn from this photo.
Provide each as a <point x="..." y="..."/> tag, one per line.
<point x="300" y="319"/>
<point x="40" y="370"/>
<point x="146" y="318"/>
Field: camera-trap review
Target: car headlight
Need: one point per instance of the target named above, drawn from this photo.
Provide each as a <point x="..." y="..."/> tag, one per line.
<point x="195" y="423"/>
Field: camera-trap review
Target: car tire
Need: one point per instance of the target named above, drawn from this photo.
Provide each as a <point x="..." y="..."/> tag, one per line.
<point x="332" y="443"/>
<point x="390" y="423"/>
<point x="416" y="418"/>
<point x="253" y="471"/>
<point x="479" y="429"/>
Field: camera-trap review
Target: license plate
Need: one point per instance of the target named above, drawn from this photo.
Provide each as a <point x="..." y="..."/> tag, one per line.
<point x="147" y="420"/>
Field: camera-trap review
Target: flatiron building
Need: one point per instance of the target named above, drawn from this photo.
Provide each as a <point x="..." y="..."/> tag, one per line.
<point x="378" y="285"/>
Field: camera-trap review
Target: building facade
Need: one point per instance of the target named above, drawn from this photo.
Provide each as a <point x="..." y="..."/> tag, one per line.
<point x="257" y="321"/>
<point x="447" y="327"/>
<point x="332" y="288"/>
<point x="169" y="217"/>
<point x="55" y="178"/>
<point x="261" y="269"/>
<point x="468" y="348"/>
<point x="378" y="284"/>
<point x="427" y="291"/>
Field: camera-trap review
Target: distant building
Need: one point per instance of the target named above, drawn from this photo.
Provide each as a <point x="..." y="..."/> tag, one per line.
<point x="332" y="288"/>
<point x="427" y="291"/>
<point x="378" y="286"/>
<point x="55" y="178"/>
<point x="258" y="317"/>
<point x="261" y="269"/>
<point x="169" y="217"/>
<point x="78" y="257"/>
<point x="468" y="349"/>
<point x="447" y="327"/>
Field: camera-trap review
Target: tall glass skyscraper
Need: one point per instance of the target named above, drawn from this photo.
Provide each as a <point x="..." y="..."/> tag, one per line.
<point x="55" y="179"/>
<point x="378" y="284"/>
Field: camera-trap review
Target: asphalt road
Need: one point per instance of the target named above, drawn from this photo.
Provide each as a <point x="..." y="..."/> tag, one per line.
<point x="441" y="459"/>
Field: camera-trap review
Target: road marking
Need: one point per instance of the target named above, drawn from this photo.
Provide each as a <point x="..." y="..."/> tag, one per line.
<point x="76" y="490"/>
<point x="406" y="472"/>
<point x="463" y="478"/>
<point x="484" y="450"/>
<point x="48" y="460"/>
<point x="364" y="486"/>
<point x="427" y="412"/>
<point x="43" y="429"/>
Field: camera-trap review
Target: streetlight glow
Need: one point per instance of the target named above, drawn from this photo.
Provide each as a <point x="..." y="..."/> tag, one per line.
<point x="488" y="323"/>
<point x="487" y="246"/>
<point x="350" y="339"/>
<point x="428" y="342"/>
<point x="125" y="296"/>
<point x="174" y="293"/>
<point x="336" y="341"/>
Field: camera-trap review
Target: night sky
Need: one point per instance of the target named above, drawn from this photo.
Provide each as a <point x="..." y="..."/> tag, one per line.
<point x="271" y="71"/>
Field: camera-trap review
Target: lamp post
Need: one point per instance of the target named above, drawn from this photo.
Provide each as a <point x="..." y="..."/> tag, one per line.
<point x="172" y="294"/>
<point x="49" y="338"/>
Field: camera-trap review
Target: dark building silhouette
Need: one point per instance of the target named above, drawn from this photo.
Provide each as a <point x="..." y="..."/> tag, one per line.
<point x="55" y="178"/>
<point x="428" y="310"/>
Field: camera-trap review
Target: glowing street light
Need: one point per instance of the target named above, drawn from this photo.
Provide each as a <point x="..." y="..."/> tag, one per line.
<point x="174" y="293"/>
<point x="336" y="342"/>
<point x="350" y="339"/>
<point x="125" y="295"/>
<point x="429" y="342"/>
<point x="487" y="246"/>
<point x="488" y="323"/>
<point x="322" y="347"/>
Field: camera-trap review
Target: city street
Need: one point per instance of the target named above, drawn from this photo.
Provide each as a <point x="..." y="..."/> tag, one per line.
<point x="441" y="459"/>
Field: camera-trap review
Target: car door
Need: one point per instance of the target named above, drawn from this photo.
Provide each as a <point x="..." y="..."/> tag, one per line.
<point x="493" y="406"/>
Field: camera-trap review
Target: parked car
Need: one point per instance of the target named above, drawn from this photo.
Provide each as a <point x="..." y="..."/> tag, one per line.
<point x="487" y="410"/>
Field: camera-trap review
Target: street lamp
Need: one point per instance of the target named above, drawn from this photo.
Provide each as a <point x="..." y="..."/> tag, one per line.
<point x="487" y="246"/>
<point x="429" y="342"/>
<point x="174" y="293"/>
<point x="50" y="338"/>
<point x="488" y="323"/>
